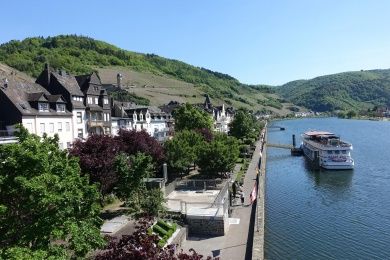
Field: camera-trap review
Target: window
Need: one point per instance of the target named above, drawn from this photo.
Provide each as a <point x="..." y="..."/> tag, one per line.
<point x="79" y="117"/>
<point x="106" y="117"/>
<point x="329" y="152"/>
<point x="96" y="100"/>
<point x="59" y="127"/>
<point x="89" y="100"/>
<point x="106" y="101"/>
<point x="29" y="127"/>
<point x="67" y="126"/>
<point x="141" y="116"/>
<point x="42" y="127"/>
<point x="43" y="107"/>
<point x="60" y="108"/>
<point x="51" y="127"/>
<point x="344" y="152"/>
<point x="96" y="88"/>
<point x="337" y="152"/>
<point x="74" y="98"/>
<point x="80" y="133"/>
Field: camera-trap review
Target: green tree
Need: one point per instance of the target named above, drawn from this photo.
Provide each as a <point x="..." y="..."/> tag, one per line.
<point x="182" y="150"/>
<point x="242" y="125"/>
<point x="47" y="208"/>
<point x="190" y="118"/>
<point x="351" y="114"/>
<point x="132" y="171"/>
<point x="218" y="156"/>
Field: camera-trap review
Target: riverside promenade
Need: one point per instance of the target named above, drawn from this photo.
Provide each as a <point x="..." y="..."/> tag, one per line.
<point x="238" y="242"/>
<point x="258" y="229"/>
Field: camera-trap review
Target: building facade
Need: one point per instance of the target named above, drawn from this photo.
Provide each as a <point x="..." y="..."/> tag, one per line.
<point x="38" y="110"/>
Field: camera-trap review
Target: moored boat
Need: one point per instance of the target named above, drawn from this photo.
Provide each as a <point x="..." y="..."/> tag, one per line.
<point x="327" y="150"/>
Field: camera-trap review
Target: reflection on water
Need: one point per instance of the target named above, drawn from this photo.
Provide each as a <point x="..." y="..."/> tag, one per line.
<point x="339" y="180"/>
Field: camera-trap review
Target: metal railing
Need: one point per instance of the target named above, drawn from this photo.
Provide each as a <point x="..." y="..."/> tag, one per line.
<point x="7" y="137"/>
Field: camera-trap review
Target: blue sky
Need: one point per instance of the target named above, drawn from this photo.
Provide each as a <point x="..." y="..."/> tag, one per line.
<point x="264" y="41"/>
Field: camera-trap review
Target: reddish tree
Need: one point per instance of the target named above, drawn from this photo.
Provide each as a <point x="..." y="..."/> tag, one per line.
<point x="97" y="155"/>
<point x="140" y="246"/>
<point x="134" y="141"/>
<point x="206" y="133"/>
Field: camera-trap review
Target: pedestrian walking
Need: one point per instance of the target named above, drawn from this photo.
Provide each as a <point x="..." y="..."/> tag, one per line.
<point x="234" y="188"/>
<point x="242" y="198"/>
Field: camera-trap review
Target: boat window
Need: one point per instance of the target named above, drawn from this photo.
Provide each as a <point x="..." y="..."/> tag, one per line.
<point x="337" y="152"/>
<point x="344" y="152"/>
<point x="329" y="152"/>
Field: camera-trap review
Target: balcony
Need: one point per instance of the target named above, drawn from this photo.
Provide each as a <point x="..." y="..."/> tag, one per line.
<point x="95" y="123"/>
<point x="7" y="138"/>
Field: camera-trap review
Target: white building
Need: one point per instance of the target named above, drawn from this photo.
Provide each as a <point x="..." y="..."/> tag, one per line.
<point x="36" y="109"/>
<point x="222" y="116"/>
<point x="126" y="115"/>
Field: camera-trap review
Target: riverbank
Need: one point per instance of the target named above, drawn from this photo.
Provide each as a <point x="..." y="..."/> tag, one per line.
<point x="258" y="227"/>
<point x="238" y="242"/>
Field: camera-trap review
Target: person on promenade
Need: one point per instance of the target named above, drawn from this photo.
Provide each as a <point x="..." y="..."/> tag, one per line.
<point x="234" y="188"/>
<point x="242" y="198"/>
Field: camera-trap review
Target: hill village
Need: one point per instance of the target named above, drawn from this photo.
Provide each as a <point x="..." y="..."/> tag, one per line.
<point x="74" y="107"/>
<point x="166" y="174"/>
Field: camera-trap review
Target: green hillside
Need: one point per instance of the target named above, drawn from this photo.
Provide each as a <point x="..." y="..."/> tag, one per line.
<point x="357" y="91"/>
<point x="79" y="55"/>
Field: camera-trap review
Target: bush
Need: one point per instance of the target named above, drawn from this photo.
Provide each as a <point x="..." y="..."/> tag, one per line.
<point x="159" y="230"/>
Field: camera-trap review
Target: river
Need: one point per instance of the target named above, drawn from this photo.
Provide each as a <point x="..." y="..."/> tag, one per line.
<point x="318" y="214"/>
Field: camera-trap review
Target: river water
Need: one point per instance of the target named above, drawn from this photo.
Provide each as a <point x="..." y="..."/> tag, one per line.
<point x="318" y="214"/>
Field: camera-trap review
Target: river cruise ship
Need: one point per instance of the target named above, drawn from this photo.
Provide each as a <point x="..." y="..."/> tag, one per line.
<point x="327" y="150"/>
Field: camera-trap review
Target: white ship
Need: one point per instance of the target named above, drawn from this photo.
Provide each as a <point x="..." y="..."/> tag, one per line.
<point x="327" y="150"/>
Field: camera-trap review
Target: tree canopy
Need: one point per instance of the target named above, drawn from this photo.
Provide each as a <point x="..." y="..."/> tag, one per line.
<point x="140" y="246"/>
<point x="96" y="157"/>
<point x="242" y="125"/>
<point x="218" y="156"/>
<point x="188" y="117"/>
<point x="182" y="150"/>
<point x="46" y="207"/>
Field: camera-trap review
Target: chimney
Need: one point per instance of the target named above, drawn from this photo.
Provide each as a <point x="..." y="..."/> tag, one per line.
<point x="47" y="71"/>
<point x="119" y="80"/>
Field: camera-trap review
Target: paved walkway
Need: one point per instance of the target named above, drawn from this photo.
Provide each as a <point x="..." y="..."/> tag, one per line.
<point x="234" y="244"/>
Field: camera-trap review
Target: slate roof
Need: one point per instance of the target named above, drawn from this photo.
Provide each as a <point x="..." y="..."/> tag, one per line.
<point x="22" y="94"/>
<point x="88" y="83"/>
<point x="69" y="82"/>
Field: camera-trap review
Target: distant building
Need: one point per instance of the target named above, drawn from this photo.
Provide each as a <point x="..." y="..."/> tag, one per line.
<point x="222" y="116"/>
<point x="129" y="116"/>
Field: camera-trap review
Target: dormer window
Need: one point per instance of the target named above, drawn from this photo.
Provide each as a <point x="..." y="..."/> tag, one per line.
<point x="89" y="100"/>
<point x="43" y="107"/>
<point x="141" y="117"/>
<point x="60" y="108"/>
<point x="135" y="116"/>
<point x="96" y="88"/>
<point x="106" y="101"/>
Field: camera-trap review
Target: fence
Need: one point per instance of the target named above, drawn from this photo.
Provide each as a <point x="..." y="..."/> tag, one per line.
<point x="7" y="137"/>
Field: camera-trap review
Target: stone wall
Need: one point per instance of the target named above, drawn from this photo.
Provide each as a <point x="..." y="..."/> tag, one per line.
<point x="207" y="226"/>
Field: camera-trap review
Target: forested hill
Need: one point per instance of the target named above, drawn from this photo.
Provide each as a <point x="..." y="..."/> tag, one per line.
<point x="357" y="91"/>
<point x="79" y="55"/>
